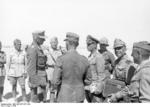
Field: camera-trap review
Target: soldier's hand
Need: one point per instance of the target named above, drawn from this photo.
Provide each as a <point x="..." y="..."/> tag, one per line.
<point x="111" y="76"/>
<point x="112" y="98"/>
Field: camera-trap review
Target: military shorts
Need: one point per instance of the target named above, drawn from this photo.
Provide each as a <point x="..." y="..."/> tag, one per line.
<point x="37" y="80"/>
<point x="2" y="79"/>
<point x="13" y="80"/>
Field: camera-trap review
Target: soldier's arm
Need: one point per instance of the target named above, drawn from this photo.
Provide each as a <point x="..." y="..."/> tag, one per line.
<point x="56" y="80"/>
<point x="88" y="76"/>
<point x="25" y="66"/>
<point x="8" y="63"/>
<point x="112" y="59"/>
<point x="131" y="90"/>
<point x="31" y="61"/>
<point x="116" y="96"/>
<point x="3" y="59"/>
<point x="57" y="73"/>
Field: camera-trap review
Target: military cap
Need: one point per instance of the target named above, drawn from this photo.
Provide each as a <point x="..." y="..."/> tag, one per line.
<point x="70" y="36"/>
<point x="143" y="45"/>
<point x="118" y="43"/>
<point x="54" y="39"/>
<point x="40" y="34"/>
<point x="91" y="40"/>
<point x="104" y="41"/>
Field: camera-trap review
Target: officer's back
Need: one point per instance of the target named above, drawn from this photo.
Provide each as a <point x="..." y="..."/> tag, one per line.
<point x="71" y="73"/>
<point x="74" y="66"/>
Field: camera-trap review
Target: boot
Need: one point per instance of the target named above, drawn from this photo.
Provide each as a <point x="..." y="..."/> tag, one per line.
<point x="34" y="96"/>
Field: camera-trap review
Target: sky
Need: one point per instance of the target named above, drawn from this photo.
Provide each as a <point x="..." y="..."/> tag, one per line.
<point x="128" y="20"/>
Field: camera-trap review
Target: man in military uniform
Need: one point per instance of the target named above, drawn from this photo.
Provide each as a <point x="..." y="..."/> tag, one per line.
<point x="36" y="64"/>
<point x="16" y="69"/>
<point x="97" y="67"/>
<point x="52" y="54"/>
<point x="2" y="70"/>
<point x="139" y="87"/>
<point x="108" y="56"/>
<point x="122" y="62"/>
<point x="120" y="71"/>
<point x="71" y="72"/>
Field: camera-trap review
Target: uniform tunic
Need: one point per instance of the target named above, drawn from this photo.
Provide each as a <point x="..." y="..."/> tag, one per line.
<point x="36" y="76"/>
<point x="71" y="73"/>
<point x="16" y="64"/>
<point x="109" y="61"/>
<point x="97" y="66"/>
<point x="140" y="84"/>
<point x="121" y="68"/>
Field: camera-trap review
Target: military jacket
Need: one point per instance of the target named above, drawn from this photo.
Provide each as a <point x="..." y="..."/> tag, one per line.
<point x="71" y="74"/>
<point x="139" y="87"/>
<point x="140" y="82"/>
<point x="121" y="68"/>
<point x="109" y="61"/>
<point x="16" y="63"/>
<point x="97" y="66"/>
<point x="36" y="61"/>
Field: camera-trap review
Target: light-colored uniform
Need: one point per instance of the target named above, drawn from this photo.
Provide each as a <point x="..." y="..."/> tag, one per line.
<point x="121" y="68"/>
<point x="16" y="67"/>
<point x="139" y="87"/>
<point x="97" y="66"/>
<point x="52" y="56"/>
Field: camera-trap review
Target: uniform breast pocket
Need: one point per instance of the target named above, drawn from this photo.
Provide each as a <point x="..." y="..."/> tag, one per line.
<point x="121" y="72"/>
<point x="41" y="61"/>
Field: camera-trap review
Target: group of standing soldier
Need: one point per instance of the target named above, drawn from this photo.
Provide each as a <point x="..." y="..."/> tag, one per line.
<point x="70" y="77"/>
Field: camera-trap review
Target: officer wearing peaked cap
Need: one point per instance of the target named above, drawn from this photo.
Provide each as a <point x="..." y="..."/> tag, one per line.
<point x="36" y="65"/>
<point x="121" y="68"/>
<point x="108" y="56"/>
<point x="96" y="60"/>
<point x="71" y="73"/>
<point x="39" y="34"/>
<point x="139" y="87"/>
<point x="122" y="62"/>
<point x="91" y="40"/>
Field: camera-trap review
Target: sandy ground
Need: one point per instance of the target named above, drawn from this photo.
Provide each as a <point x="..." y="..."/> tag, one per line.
<point x="7" y="95"/>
